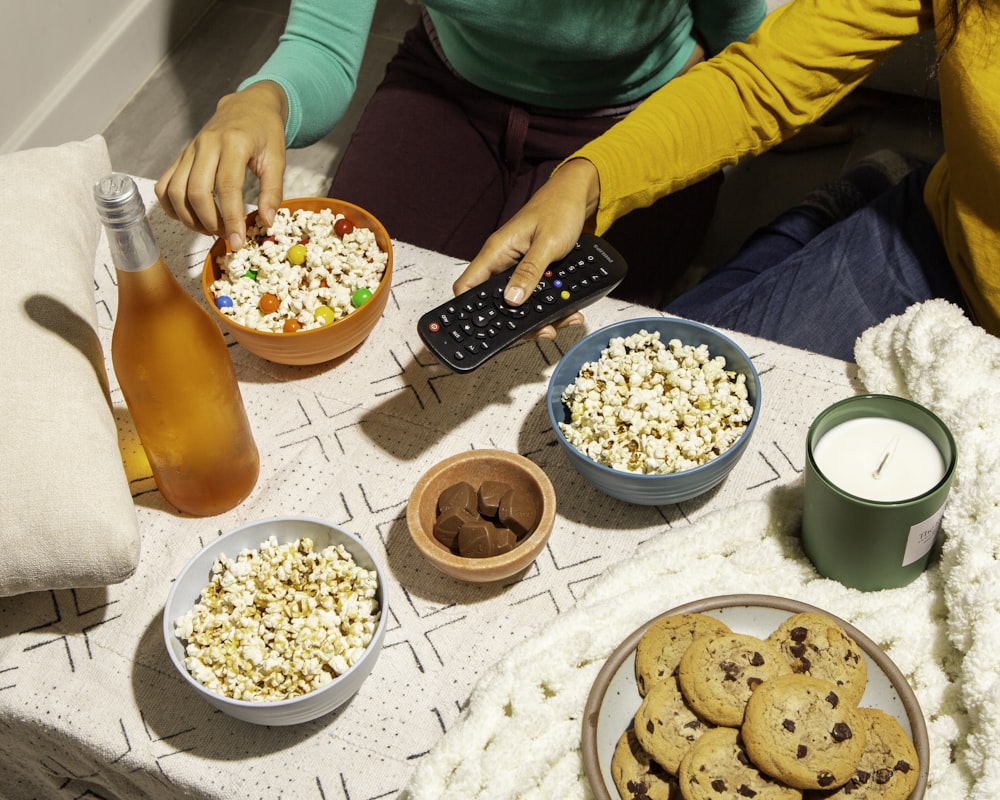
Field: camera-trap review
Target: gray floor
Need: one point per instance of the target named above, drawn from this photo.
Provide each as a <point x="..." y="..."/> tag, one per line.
<point x="235" y="37"/>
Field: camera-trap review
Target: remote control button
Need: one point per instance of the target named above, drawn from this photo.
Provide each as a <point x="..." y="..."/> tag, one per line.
<point x="483" y="318"/>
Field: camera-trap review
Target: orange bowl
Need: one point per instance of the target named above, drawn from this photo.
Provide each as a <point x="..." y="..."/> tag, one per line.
<point x="475" y="467"/>
<point x="316" y="345"/>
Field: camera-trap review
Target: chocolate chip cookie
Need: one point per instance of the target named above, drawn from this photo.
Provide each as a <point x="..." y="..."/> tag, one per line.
<point x="660" y="649"/>
<point x="802" y="731"/>
<point x="716" y="766"/>
<point x="889" y="767"/>
<point x="816" y="645"/>
<point x="718" y="673"/>
<point x="637" y="775"/>
<point x="665" y="725"/>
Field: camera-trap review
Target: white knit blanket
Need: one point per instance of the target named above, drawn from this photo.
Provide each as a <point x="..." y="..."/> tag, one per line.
<point x="519" y="736"/>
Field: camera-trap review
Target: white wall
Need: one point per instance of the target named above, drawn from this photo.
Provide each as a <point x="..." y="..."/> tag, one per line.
<point x="70" y="65"/>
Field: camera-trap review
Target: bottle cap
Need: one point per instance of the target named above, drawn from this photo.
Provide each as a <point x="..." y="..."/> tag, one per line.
<point x="119" y="204"/>
<point x="123" y="214"/>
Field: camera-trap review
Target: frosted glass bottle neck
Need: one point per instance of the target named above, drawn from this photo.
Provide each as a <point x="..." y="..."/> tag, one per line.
<point x="123" y="214"/>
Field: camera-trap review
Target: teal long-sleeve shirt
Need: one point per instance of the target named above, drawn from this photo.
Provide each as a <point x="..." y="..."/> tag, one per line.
<point x="560" y="54"/>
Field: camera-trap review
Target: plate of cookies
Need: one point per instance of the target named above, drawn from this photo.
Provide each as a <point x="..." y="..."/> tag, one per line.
<point x="752" y="696"/>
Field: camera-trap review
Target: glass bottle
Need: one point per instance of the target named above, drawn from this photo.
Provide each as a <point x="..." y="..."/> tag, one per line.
<point x="173" y="368"/>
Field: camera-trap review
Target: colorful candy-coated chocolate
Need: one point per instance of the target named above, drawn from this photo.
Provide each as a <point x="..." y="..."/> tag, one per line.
<point x="269" y="303"/>
<point x="291" y="326"/>
<point x="296" y="254"/>
<point x="223" y="301"/>
<point x="324" y="314"/>
<point x="360" y="297"/>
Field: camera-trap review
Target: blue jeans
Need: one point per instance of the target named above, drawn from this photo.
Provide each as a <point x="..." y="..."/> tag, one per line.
<point x="808" y="281"/>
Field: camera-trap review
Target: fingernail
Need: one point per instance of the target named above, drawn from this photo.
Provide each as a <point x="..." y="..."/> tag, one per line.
<point x="514" y="295"/>
<point x="235" y="241"/>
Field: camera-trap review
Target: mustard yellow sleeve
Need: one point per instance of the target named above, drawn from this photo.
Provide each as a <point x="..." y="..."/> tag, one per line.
<point x="963" y="191"/>
<point x="804" y="58"/>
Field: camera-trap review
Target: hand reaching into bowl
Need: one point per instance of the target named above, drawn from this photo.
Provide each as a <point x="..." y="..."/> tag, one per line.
<point x="543" y="231"/>
<point x="203" y="188"/>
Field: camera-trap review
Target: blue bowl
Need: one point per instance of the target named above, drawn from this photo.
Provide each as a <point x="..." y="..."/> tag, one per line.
<point x="652" y="490"/>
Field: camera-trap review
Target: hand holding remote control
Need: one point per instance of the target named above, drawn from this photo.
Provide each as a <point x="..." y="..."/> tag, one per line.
<point x="475" y="325"/>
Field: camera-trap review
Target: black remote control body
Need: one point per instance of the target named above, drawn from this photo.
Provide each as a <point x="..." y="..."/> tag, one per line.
<point x="474" y="326"/>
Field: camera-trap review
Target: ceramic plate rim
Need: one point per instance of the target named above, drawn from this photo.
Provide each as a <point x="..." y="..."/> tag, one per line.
<point x="599" y="778"/>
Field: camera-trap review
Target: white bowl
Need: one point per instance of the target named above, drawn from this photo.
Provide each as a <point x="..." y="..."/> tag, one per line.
<point x="195" y="577"/>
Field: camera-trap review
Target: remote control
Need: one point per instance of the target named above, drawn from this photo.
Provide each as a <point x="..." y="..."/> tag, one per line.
<point x="474" y="326"/>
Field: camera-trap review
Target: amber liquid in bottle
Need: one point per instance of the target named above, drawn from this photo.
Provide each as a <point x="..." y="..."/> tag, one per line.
<point x="174" y="369"/>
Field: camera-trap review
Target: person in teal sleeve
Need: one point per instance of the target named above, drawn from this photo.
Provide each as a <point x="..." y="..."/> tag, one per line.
<point x="476" y="108"/>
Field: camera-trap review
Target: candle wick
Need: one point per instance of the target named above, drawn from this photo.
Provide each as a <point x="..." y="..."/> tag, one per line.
<point x="889" y="450"/>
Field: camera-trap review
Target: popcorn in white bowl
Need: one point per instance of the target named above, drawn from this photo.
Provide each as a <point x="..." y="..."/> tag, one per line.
<point x="278" y="622"/>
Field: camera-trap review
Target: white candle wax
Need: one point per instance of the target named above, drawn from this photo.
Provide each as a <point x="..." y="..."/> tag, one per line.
<point x="879" y="459"/>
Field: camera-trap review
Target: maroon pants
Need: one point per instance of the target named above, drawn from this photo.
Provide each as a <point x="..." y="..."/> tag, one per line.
<point x="443" y="164"/>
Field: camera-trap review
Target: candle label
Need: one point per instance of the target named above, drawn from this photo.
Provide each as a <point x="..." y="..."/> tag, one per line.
<point x="922" y="537"/>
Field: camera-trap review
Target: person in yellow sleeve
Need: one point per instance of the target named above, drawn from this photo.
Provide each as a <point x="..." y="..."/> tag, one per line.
<point x="812" y="279"/>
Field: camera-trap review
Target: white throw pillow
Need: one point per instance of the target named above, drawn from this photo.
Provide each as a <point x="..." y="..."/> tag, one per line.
<point x="66" y="514"/>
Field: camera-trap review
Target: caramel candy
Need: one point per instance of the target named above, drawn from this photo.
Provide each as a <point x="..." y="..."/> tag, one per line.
<point x="461" y="495"/>
<point x="518" y="512"/>
<point x="489" y="497"/>
<point x="483" y="538"/>
<point x="449" y="523"/>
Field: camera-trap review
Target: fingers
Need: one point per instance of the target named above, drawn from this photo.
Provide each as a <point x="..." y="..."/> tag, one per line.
<point x="496" y="255"/>
<point x="538" y="256"/>
<point x="204" y="186"/>
<point x="178" y="203"/>
<point x="187" y="189"/>
<point x="271" y="178"/>
<point x="227" y="205"/>
<point x="549" y="332"/>
<point x="542" y="232"/>
<point x="507" y="247"/>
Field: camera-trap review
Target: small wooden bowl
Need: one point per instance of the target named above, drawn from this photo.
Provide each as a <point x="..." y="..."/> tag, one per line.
<point x="475" y="467"/>
<point x="317" y="345"/>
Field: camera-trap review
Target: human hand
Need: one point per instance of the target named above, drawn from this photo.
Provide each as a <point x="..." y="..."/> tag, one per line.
<point x="543" y="231"/>
<point x="203" y="188"/>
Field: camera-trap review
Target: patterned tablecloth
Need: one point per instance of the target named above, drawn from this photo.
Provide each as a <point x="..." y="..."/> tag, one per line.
<point x="90" y="705"/>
